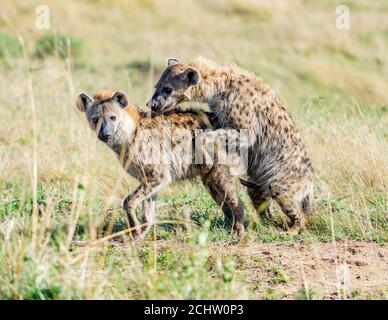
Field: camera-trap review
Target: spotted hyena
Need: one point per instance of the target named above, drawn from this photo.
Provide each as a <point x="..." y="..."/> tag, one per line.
<point x="278" y="164"/>
<point x="157" y="151"/>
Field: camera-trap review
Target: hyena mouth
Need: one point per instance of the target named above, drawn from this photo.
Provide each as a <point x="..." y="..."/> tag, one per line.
<point x="168" y="107"/>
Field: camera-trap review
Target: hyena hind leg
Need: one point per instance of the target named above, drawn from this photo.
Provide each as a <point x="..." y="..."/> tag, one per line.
<point x="260" y="203"/>
<point x="226" y="209"/>
<point x="232" y="200"/>
<point x="293" y="209"/>
<point x="224" y="192"/>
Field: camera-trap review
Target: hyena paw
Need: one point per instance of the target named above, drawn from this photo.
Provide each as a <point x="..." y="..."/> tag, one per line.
<point x="296" y="227"/>
<point x="238" y="228"/>
<point x="137" y="234"/>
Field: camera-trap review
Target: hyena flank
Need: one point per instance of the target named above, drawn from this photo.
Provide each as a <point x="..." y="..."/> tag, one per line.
<point x="140" y="141"/>
<point x="278" y="164"/>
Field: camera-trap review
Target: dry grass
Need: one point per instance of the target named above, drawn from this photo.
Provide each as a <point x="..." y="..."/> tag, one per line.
<point x="334" y="83"/>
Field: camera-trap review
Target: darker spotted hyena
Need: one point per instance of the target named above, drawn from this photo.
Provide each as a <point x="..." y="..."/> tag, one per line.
<point x="278" y="164"/>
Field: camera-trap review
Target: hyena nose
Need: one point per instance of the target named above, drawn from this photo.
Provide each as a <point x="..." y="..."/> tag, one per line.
<point x="154" y="105"/>
<point x="104" y="136"/>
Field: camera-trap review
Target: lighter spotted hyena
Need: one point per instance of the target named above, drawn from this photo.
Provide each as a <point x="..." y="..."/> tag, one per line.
<point x="278" y="164"/>
<point x="157" y="151"/>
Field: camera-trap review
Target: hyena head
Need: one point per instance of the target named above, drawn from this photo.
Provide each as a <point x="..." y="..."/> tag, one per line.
<point x="104" y="113"/>
<point x="173" y="86"/>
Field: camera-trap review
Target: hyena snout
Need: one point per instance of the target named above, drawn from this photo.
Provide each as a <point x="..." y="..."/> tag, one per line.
<point x="104" y="134"/>
<point x="104" y="138"/>
<point x="156" y="102"/>
<point x="161" y="101"/>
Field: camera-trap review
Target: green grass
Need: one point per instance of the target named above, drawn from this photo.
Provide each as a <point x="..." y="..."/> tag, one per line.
<point x="9" y="48"/>
<point x="205" y="214"/>
<point x="57" y="44"/>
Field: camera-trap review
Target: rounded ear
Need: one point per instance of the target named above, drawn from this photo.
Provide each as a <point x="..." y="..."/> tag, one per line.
<point x="121" y="99"/>
<point x="191" y="76"/>
<point x="83" y="102"/>
<point x="171" y="62"/>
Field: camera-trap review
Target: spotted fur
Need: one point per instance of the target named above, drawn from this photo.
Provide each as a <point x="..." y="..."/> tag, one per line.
<point x="278" y="164"/>
<point x="132" y="135"/>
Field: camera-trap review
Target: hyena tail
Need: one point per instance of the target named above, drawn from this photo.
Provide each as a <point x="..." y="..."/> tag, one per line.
<point x="306" y="204"/>
<point x="307" y="201"/>
<point x="249" y="184"/>
<point x="255" y="186"/>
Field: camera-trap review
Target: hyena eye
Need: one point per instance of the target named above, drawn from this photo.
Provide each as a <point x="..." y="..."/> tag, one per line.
<point x="95" y="120"/>
<point x="167" y="90"/>
<point x="113" y="118"/>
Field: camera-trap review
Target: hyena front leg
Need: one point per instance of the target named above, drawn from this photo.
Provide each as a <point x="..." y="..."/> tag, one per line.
<point x="132" y="201"/>
<point x="149" y="214"/>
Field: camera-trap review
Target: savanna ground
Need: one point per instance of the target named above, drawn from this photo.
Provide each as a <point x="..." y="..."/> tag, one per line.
<point x="59" y="185"/>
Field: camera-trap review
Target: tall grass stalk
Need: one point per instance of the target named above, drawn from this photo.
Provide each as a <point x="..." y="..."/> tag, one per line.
<point x="34" y="144"/>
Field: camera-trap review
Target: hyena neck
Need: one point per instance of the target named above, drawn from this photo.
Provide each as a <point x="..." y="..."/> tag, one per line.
<point x="215" y="82"/>
<point x="126" y="129"/>
<point x="209" y="89"/>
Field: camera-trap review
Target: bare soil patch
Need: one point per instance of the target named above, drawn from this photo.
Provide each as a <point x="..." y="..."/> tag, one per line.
<point x="319" y="270"/>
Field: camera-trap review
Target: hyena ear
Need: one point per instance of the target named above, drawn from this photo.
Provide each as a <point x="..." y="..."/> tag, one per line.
<point x="121" y="99"/>
<point x="171" y="62"/>
<point x="191" y="76"/>
<point x="84" y="102"/>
